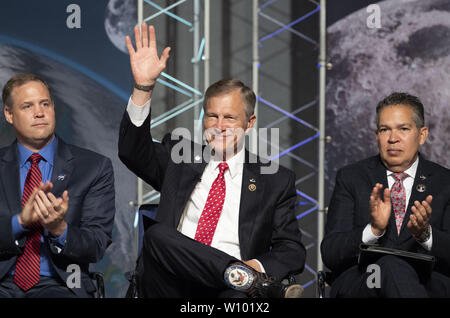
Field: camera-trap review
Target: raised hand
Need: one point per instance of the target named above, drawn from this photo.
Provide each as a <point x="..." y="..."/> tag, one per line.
<point x="380" y="209"/>
<point x="146" y="66"/>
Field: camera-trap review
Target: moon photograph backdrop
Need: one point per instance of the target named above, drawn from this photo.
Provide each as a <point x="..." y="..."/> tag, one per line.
<point x="409" y="53"/>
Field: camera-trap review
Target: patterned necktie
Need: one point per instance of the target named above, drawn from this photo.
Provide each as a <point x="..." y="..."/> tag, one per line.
<point x="28" y="267"/>
<point x="213" y="207"/>
<point x="398" y="198"/>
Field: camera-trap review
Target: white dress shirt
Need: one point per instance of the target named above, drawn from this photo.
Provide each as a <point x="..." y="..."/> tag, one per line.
<point x="408" y="182"/>
<point x="226" y="236"/>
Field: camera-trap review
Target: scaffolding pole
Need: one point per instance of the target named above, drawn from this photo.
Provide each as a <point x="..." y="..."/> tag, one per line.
<point x="140" y="182"/>
<point x="255" y="68"/>
<point x="322" y="140"/>
<point x="196" y="67"/>
<point x="207" y="23"/>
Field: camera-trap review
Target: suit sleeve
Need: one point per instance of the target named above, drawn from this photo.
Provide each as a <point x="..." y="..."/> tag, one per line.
<point x="287" y="254"/>
<point x="88" y="240"/>
<point x="145" y="158"/>
<point x="8" y="247"/>
<point x="441" y="239"/>
<point x="340" y="246"/>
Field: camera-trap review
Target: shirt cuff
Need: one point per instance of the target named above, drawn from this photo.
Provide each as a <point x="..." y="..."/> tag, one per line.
<point x="17" y="228"/>
<point x="59" y="240"/>
<point x="260" y="265"/>
<point x="138" y="114"/>
<point x="428" y="243"/>
<point x="368" y="237"/>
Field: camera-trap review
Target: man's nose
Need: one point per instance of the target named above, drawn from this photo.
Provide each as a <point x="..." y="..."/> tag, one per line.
<point x="39" y="111"/>
<point x="393" y="137"/>
<point x="220" y="124"/>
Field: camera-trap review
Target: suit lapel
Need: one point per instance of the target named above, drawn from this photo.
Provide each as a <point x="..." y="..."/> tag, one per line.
<point x="252" y="195"/>
<point x="377" y="172"/>
<point x="62" y="168"/>
<point x="190" y="175"/>
<point x="422" y="183"/>
<point x="11" y="178"/>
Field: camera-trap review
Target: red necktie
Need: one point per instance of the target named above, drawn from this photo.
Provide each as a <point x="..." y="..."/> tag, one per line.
<point x="28" y="267"/>
<point x="213" y="207"/>
<point x="398" y="198"/>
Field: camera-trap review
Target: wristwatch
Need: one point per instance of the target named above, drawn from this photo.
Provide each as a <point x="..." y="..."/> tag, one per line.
<point x="425" y="236"/>
<point x="143" y="87"/>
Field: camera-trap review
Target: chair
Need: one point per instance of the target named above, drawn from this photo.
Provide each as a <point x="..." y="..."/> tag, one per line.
<point x="324" y="280"/>
<point x="147" y="212"/>
<point x="97" y="278"/>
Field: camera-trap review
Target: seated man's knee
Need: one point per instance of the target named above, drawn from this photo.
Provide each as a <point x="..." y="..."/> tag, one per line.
<point x="393" y="267"/>
<point x="154" y="234"/>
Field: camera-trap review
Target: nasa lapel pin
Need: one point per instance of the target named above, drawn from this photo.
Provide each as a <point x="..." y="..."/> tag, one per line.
<point x="252" y="186"/>
<point x="61" y="177"/>
<point x="421" y="188"/>
<point x="422" y="177"/>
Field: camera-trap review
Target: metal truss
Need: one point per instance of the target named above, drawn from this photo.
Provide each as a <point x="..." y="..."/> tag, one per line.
<point x="190" y="92"/>
<point x="307" y="204"/>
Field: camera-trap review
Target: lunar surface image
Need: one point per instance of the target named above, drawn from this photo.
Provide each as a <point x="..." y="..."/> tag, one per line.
<point x="120" y="19"/>
<point x="409" y="53"/>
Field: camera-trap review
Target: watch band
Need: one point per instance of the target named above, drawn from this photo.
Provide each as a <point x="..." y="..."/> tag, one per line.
<point x="144" y="87"/>
<point x="425" y="235"/>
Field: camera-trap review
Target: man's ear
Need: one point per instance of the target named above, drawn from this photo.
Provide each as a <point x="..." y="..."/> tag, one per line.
<point x="7" y="111"/>
<point x="251" y="122"/>
<point x="423" y="134"/>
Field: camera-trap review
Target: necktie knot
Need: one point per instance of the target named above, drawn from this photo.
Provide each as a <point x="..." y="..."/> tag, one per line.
<point x="223" y="166"/>
<point x="400" y="176"/>
<point x="35" y="158"/>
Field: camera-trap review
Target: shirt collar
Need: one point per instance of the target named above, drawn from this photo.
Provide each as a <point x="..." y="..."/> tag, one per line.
<point x="47" y="153"/>
<point x="411" y="171"/>
<point x="234" y="163"/>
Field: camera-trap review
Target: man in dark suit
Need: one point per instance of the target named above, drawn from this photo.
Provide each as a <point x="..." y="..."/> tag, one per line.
<point x="396" y="199"/>
<point x="256" y="235"/>
<point x="46" y="239"/>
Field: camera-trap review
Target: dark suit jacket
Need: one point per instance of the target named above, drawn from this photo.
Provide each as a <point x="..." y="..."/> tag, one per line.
<point x="268" y="229"/>
<point x="348" y="213"/>
<point x="89" y="180"/>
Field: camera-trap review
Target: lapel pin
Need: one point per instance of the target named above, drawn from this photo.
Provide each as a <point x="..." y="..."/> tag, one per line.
<point x="422" y="177"/>
<point x="61" y="177"/>
<point x="252" y="187"/>
<point x="421" y="187"/>
<point x="252" y="180"/>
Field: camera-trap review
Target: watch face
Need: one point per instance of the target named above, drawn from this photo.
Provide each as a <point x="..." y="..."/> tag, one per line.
<point x="239" y="277"/>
